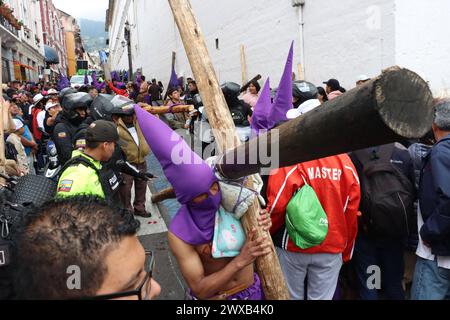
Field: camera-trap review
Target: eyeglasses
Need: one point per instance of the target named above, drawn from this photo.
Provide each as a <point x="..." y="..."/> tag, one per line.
<point x="143" y="290"/>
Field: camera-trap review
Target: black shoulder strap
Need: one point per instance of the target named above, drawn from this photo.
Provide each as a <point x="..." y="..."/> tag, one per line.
<point x="79" y="160"/>
<point x="363" y="156"/>
<point x="385" y="152"/>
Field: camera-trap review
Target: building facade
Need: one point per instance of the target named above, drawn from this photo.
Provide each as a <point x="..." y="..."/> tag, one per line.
<point x="74" y="46"/>
<point x="333" y="39"/>
<point x="54" y="35"/>
<point x="29" y="60"/>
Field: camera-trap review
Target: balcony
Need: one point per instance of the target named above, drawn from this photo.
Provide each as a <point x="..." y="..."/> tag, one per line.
<point x="8" y="20"/>
<point x="8" y="26"/>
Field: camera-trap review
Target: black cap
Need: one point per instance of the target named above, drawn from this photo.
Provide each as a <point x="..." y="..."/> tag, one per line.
<point x="333" y="84"/>
<point x="102" y="131"/>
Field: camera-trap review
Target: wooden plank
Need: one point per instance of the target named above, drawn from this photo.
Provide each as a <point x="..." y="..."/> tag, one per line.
<point x="243" y="65"/>
<point x="165" y="109"/>
<point x="301" y="75"/>
<point x="268" y="267"/>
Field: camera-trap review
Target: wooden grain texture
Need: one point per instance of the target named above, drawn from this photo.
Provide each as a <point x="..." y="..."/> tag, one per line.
<point x="394" y="107"/>
<point x="268" y="267"/>
<point x="164" y="109"/>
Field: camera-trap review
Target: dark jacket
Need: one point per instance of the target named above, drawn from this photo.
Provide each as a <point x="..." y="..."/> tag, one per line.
<point x="418" y="152"/>
<point x="63" y="136"/>
<point x="434" y="197"/>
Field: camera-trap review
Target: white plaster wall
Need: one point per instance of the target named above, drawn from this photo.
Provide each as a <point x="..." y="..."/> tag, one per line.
<point x="423" y="40"/>
<point x="342" y="38"/>
<point x="347" y="38"/>
<point x="265" y="27"/>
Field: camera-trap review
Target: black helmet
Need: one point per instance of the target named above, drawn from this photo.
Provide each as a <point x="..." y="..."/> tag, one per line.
<point x="66" y="91"/>
<point x="102" y="108"/>
<point x="122" y="106"/>
<point x="303" y="91"/>
<point x="230" y="90"/>
<point x="72" y="102"/>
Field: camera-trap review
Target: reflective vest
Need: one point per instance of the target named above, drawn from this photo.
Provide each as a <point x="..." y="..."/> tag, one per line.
<point x="83" y="175"/>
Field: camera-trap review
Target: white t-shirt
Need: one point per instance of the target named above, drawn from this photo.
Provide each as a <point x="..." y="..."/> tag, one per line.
<point x="40" y="120"/>
<point x="134" y="134"/>
<point x="424" y="252"/>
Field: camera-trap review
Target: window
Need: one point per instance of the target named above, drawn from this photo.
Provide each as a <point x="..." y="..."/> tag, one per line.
<point x="6" y="71"/>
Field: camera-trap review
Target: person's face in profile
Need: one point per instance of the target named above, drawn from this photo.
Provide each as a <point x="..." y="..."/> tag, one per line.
<point x="129" y="269"/>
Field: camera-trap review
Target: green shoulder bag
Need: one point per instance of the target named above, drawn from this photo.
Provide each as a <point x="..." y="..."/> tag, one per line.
<point x="306" y="221"/>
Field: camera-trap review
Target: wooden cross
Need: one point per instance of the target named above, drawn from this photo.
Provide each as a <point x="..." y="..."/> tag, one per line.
<point x="268" y="267"/>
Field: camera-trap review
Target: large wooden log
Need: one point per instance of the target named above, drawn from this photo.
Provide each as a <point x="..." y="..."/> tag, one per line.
<point x="395" y="106"/>
<point x="219" y="116"/>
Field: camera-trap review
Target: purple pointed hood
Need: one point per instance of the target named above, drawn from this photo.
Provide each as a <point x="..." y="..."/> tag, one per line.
<point x="181" y="165"/>
<point x="63" y="83"/>
<point x="173" y="83"/>
<point x="262" y="110"/>
<point x="115" y="76"/>
<point x="138" y="81"/>
<point x="283" y="99"/>
<point x="189" y="175"/>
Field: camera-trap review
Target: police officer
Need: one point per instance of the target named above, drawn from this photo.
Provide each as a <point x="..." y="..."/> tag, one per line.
<point x="72" y="117"/>
<point x="83" y="174"/>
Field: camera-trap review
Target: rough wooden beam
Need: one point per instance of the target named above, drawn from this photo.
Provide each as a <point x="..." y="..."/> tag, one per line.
<point x="395" y="106"/>
<point x="164" y="110"/>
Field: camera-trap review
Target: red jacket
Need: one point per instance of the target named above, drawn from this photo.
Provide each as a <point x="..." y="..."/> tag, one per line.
<point x="120" y="92"/>
<point x="335" y="181"/>
<point x="34" y="125"/>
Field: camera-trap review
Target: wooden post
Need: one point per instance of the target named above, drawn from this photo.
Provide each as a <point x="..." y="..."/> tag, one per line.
<point x="301" y="76"/>
<point x="243" y="65"/>
<point x="219" y="116"/>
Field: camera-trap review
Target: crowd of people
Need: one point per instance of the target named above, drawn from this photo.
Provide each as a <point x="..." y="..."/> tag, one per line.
<point x="372" y="224"/>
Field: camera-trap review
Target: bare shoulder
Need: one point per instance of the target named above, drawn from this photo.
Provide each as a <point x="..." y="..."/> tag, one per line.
<point x="179" y="247"/>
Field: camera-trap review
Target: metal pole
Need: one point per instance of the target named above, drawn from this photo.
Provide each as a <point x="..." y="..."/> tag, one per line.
<point x="130" y="61"/>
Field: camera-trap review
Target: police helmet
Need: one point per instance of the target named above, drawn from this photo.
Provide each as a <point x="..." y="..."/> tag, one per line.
<point x="230" y="89"/>
<point x="101" y="108"/>
<point x="303" y="91"/>
<point x="66" y="91"/>
<point x="73" y="101"/>
<point x="122" y="106"/>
